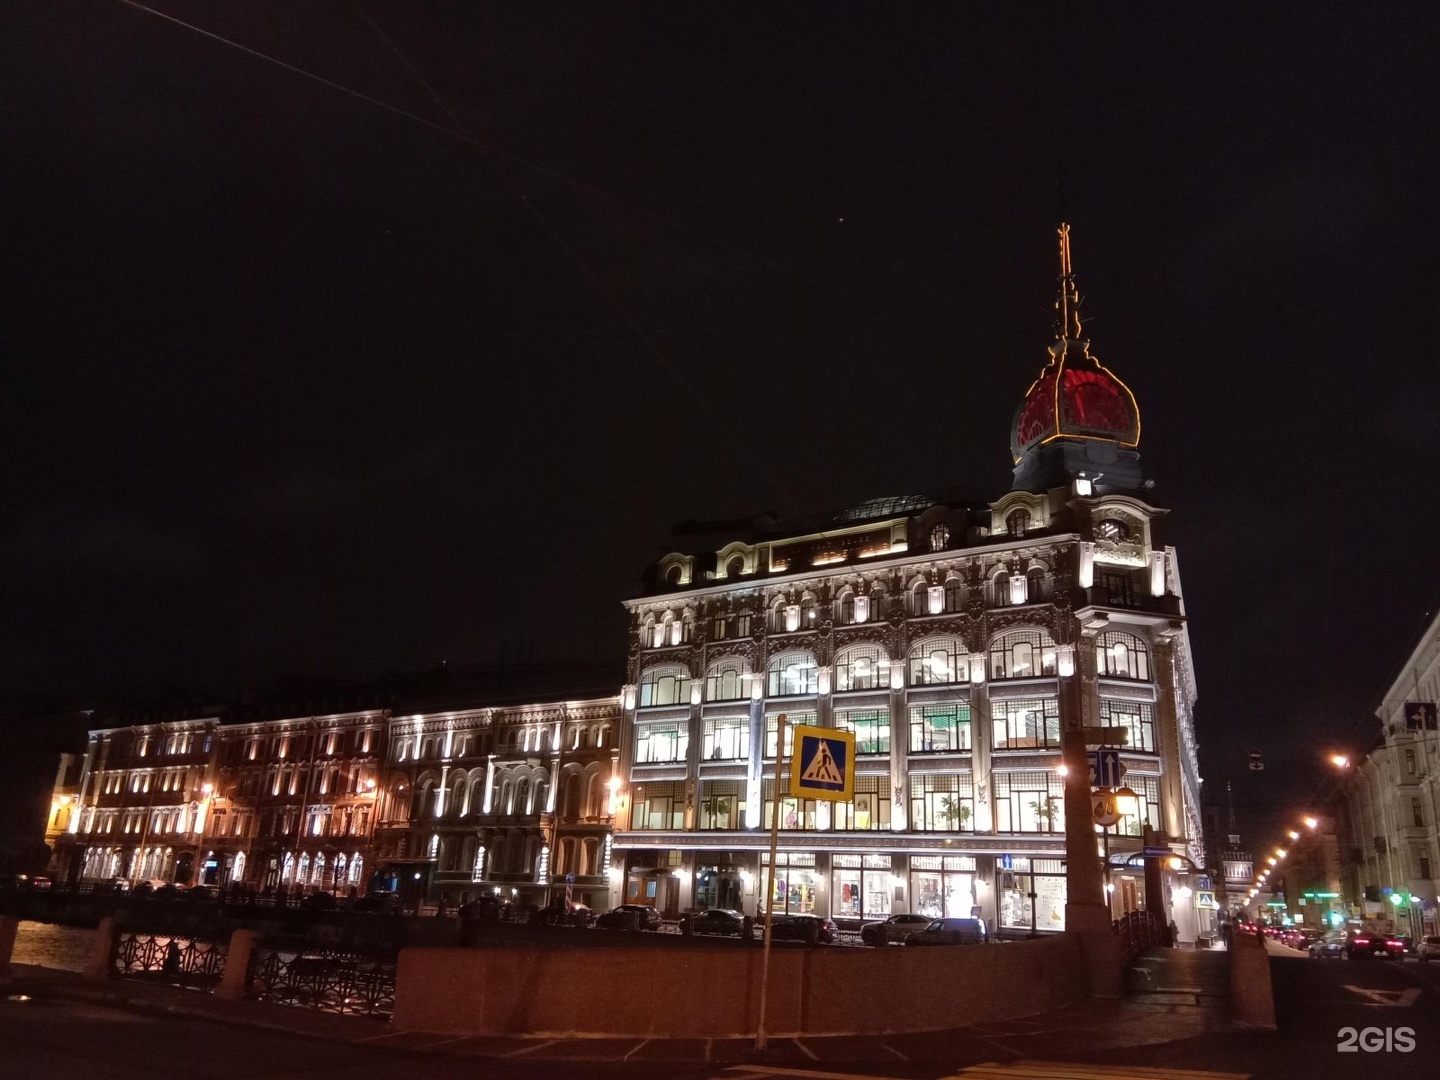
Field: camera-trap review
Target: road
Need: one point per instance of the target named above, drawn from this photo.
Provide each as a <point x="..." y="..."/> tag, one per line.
<point x="54" y="1037"/>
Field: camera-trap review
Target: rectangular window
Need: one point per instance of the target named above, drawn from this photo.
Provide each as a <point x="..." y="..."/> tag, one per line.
<point x="727" y="738"/>
<point x="722" y="804"/>
<point x="942" y="803"/>
<point x="1416" y="811"/>
<point x="794" y="813"/>
<point x="860" y="886"/>
<point x="1116" y="587"/>
<point x="1148" y="810"/>
<point x="1030" y="802"/>
<point x="772" y="728"/>
<point x="869" y="811"/>
<point x="1026" y="725"/>
<point x="1136" y="717"/>
<point x="1046" y="879"/>
<point x="871" y="728"/>
<point x="666" y="741"/>
<point x="717" y="629"/>
<point x="942" y="887"/>
<point x="939" y="728"/>
<point x="1410" y="762"/>
<point x="742" y="626"/>
<point x="795" y="882"/>
<point x="659" y="806"/>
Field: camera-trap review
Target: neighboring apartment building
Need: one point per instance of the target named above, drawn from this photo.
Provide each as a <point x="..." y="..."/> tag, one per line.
<point x="1388" y="803"/>
<point x="957" y="638"/>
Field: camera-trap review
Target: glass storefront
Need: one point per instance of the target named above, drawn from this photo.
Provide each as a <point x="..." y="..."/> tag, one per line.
<point x="861" y="887"/>
<point x="796" y="882"/>
<point x="942" y="886"/>
<point x="1048" y="877"/>
<point x="719" y="887"/>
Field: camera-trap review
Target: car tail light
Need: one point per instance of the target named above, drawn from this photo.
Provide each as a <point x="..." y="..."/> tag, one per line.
<point x="1362" y="941"/>
<point x="1392" y="941"/>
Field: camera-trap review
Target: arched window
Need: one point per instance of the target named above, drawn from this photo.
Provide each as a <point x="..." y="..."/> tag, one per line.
<point x="507" y="796"/>
<point x="862" y="667"/>
<point x="1017" y="522"/>
<point x="590" y="863"/>
<point x="920" y="598"/>
<point x="455" y="800"/>
<point x="357" y="865"/>
<point x="793" y="673"/>
<point x="735" y="567"/>
<point x="1037" y="584"/>
<point x="669" y="685"/>
<point x="302" y="875"/>
<point x="522" y="796"/>
<point x="727" y="679"/>
<point x="1022" y="654"/>
<point x="570" y="797"/>
<point x="939" y="661"/>
<point x="1122" y="656"/>
<point x="847" y="608"/>
<point x="954" y="594"/>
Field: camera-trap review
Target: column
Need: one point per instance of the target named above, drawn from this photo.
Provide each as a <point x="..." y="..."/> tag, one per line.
<point x="489" y="784"/>
<point x="554" y="784"/>
<point x="1167" y="736"/>
<point x="899" y="751"/>
<point x="982" y="744"/>
<point x="753" y="787"/>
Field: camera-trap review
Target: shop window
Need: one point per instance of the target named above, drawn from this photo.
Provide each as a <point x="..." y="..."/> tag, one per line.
<point x="659" y="742"/>
<point x="1136" y="717"/>
<point x="659" y="806"/>
<point x="727" y="738"/>
<point x="1026" y="725"/>
<point x="862" y="667"/>
<point x="870" y="726"/>
<point x="795" y="882"/>
<point x="939" y="662"/>
<point x="1046" y="879"/>
<point x="868" y="811"/>
<point x="792" y="674"/>
<point x="727" y="680"/>
<point x="939" y="728"/>
<point x="1022" y="654"/>
<point x="722" y="804"/>
<point x="804" y="814"/>
<point x="664" y="686"/>
<point x="772" y="729"/>
<point x="1030" y="802"/>
<point x="861" y="886"/>
<point x="942" y="803"/>
<point x="942" y="887"/>
<point x="1122" y="656"/>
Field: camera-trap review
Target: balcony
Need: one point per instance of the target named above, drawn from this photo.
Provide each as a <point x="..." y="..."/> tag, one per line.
<point x="1126" y="600"/>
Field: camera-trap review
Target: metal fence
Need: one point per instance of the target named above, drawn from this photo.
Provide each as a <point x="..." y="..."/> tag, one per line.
<point x="330" y="981"/>
<point x="168" y="958"/>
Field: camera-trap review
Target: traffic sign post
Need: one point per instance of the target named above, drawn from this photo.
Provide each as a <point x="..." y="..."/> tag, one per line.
<point x="1105" y="808"/>
<point x="824" y="764"/>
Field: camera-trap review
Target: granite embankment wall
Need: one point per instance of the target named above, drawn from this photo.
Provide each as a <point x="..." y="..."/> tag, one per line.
<point x="714" y="993"/>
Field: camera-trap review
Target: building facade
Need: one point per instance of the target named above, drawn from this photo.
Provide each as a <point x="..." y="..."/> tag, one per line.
<point x="957" y="639"/>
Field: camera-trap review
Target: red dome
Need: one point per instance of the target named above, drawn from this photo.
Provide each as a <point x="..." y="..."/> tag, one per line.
<point x="1076" y="397"/>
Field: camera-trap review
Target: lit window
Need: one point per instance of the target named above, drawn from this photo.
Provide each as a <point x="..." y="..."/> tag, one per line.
<point x="939" y="537"/>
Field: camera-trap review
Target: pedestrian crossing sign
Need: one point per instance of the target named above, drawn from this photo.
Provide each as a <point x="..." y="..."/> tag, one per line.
<point x="823" y="766"/>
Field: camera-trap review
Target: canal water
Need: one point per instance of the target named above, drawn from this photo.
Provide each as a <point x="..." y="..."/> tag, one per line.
<point x="52" y="946"/>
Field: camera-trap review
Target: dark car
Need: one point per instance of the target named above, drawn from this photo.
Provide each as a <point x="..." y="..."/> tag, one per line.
<point x="951" y="932"/>
<point x="619" y="918"/>
<point x="804" y="928"/>
<point x="378" y="903"/>
<point x="1399" y="946"/>
<point x="894" y="930"/>
<point x="1360" y="944"/>
<point x="722" y="921"/>
<point x="170" y="892"/>
<point x="320" y="901"/>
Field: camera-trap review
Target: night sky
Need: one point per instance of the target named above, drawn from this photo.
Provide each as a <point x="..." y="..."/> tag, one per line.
<point x="298" y="384"/>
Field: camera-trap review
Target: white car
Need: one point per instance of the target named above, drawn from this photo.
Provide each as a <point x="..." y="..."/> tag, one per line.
<point x="1429" y="948"/>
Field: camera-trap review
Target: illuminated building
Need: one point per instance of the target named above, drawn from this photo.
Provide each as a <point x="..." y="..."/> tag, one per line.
<point x="958" y="639"/>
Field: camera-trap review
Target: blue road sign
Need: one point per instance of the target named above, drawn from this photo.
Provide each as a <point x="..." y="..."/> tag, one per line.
<point x="1105" y="768"/>
<point x="1007" y="862"/>
<point x="824" y="764"/>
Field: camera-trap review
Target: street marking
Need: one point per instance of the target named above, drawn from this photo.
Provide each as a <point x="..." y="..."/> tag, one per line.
<point x="1391" y="998"/>
<point x="531" y="1049"/>
<point x="806" y="1050"/>
<point x="632" y="1050"/>
<point x="1057" y="1070"/>
<point x="897" y="1053"/>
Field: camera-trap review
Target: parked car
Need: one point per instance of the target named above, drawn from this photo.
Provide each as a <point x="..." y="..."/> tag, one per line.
<point x="1399" y="946"/>
<point x="804" y="928"/>
<point x="171" y="891"/>
<point x="319" y="901"/>
<point x="1428" y="949"/>
<point x="619" y="918"/>
<point x="378" y="902"/>
<point x="894" y="930"/>
<point x="951" y="932"/>
<point x="203" y="894"/>
<point x="724" y="921"/>
<point x="1330" y="946"/>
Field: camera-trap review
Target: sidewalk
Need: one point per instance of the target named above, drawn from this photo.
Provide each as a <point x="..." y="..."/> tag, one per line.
<point x="1185" y="994"/>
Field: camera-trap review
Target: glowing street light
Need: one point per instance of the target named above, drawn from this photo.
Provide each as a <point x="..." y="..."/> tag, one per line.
<point x="1340" y="761"/>
<point x="1311" y="822"/>
<point x="1293" y="835"/>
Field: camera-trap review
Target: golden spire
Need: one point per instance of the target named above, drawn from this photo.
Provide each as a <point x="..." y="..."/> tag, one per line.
<point x="1068" y="306"/>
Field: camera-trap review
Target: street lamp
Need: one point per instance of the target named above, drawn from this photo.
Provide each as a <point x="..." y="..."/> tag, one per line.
<point x="1340" y="761"/>
<point x="1311" y="822"/>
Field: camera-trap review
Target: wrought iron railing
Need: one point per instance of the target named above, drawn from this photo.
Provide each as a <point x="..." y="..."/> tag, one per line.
<point x="1138" y="931"/>
<point x="173" y="959"/>
<point x="330" y="981"/>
